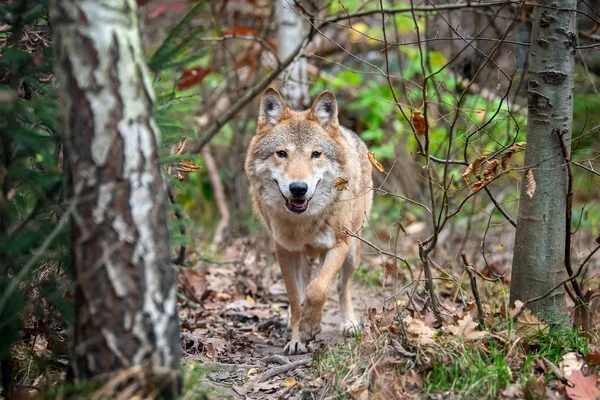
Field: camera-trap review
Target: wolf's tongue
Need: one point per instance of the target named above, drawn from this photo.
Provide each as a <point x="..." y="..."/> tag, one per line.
<point x="298" y="203"/>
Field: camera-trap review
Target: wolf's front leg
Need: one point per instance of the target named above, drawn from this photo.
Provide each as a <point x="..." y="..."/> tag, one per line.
<point x="318" y="288"/>
<point x="290" y="263"/>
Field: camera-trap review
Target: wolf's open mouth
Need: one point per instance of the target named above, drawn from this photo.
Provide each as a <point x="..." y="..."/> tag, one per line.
<point x="297" y="206"/>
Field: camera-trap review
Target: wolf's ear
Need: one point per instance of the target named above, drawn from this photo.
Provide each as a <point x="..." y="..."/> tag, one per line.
<point x="325" y="110"/>
<point x="272" y="108"/>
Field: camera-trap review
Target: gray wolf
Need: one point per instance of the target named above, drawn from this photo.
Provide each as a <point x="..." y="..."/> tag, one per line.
<point x="294" y="165"/>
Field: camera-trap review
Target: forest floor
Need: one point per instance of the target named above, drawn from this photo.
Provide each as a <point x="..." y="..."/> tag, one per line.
<point x="233" y="313"/>
<point x="239" y="329"/>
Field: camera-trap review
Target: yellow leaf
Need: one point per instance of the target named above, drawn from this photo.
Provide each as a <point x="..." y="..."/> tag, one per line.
<point x="341" y="184"/>
<point x="289" y="382"/>
<point x="250" y="299"/>
<point x="374" y="161"/>
<point x="252" y="372"/>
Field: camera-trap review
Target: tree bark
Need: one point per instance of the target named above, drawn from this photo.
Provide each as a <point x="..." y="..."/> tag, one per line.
<point x="539" y="255"/>
<point x="292" y="30"/>
<point x="126" y="311"/>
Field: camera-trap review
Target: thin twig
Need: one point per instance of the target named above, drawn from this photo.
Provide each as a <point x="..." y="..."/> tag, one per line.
<point x="470" y="267"/>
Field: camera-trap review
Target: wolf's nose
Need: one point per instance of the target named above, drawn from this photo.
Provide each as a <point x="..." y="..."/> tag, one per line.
<point x="298" y="189"/>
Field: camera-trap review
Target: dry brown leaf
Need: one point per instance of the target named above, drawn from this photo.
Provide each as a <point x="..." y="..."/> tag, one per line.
<point x="509" y="152"/>
<point x="571" y="362"/>
<point x="491" y="169"/>
<point x="214" y="346"/>
<point x="418" y="331"/>
<point x="527" y="324"/>
<point x="187" y="166"/>
<point x="531" y="185"/>
<point x="374" y="161"/>
<point x="477" y="165"/>
<point x="180" y="147"/>
<point x="476" y="186"/>
<point x="467" y="329"/>
<point x="582" y="387"/>
<point x="418" y="121"/>
<point x="465" y="174"/>
<point x="341" y="184"/>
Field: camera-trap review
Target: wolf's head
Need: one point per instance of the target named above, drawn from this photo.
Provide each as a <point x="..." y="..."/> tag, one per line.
<point x="295" y="157"/>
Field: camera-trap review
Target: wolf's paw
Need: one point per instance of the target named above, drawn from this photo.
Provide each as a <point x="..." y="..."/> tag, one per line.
<point x="309" y="329"/>
<point x="349" y="328"/>
<point x="294" y="347"/>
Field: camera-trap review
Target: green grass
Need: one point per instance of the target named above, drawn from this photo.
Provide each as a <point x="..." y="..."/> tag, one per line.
<point x="469" y="371"/>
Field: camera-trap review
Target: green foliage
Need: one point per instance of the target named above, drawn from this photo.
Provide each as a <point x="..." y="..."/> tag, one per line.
<point x="31" y="178"/>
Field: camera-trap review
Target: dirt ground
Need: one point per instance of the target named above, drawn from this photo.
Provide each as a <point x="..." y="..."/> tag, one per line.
<point x="234" y="321"/>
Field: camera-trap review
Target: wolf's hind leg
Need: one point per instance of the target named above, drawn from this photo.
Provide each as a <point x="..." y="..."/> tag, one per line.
<point x="349" y="324"/>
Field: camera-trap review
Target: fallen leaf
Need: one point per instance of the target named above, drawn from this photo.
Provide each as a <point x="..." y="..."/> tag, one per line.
<point x="341" y="184"/>
<point x="527" y="324"/>
<point x="582" y="387"/>
<point x="252" y="372"/>
<point x="418" y="331"/>
<point x="289" y="382"/>
<point x="374" y="161"/>
<point x="214" y="346"/>
<point x="593" y="358"/>
<point x="195" y="280"/>
<point x="467" y="329"/>
<point x="418" y="121"/>
<point x="531" y="185"/>
<point x="571" y="362"/>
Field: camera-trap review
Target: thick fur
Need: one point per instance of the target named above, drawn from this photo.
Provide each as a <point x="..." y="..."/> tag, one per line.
<point x="318" y="235"/>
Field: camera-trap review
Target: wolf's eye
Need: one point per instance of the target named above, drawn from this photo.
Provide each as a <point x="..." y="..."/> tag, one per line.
<point x="281" y="154"/>
<point x="316" y="154"/>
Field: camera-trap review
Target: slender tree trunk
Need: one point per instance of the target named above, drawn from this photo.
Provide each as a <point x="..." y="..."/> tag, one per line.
<point x="126" y="313"/>
<point x="292" y="29"/>
<point x="539" y="256"/>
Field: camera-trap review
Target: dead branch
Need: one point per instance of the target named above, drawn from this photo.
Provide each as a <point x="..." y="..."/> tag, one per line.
<point x="470" y="267"/>
<point x="219" y="190"/>
<point x="282" y="369"/>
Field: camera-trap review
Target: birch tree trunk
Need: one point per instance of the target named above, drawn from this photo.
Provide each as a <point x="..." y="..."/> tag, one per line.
<point x="125" y="302"/>
<point x="539" y="255"/>
<point x="292" y="30"/>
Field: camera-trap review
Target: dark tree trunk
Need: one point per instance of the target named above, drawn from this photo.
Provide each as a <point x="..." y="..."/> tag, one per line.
<point x="126" y="311"/>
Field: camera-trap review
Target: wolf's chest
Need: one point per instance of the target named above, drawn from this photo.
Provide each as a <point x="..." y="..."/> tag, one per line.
<point x="301" y="237"/>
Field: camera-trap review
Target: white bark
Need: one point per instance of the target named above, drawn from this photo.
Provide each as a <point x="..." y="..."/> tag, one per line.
<point x="292" y="29"/>
<point x="125" y="303"/>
